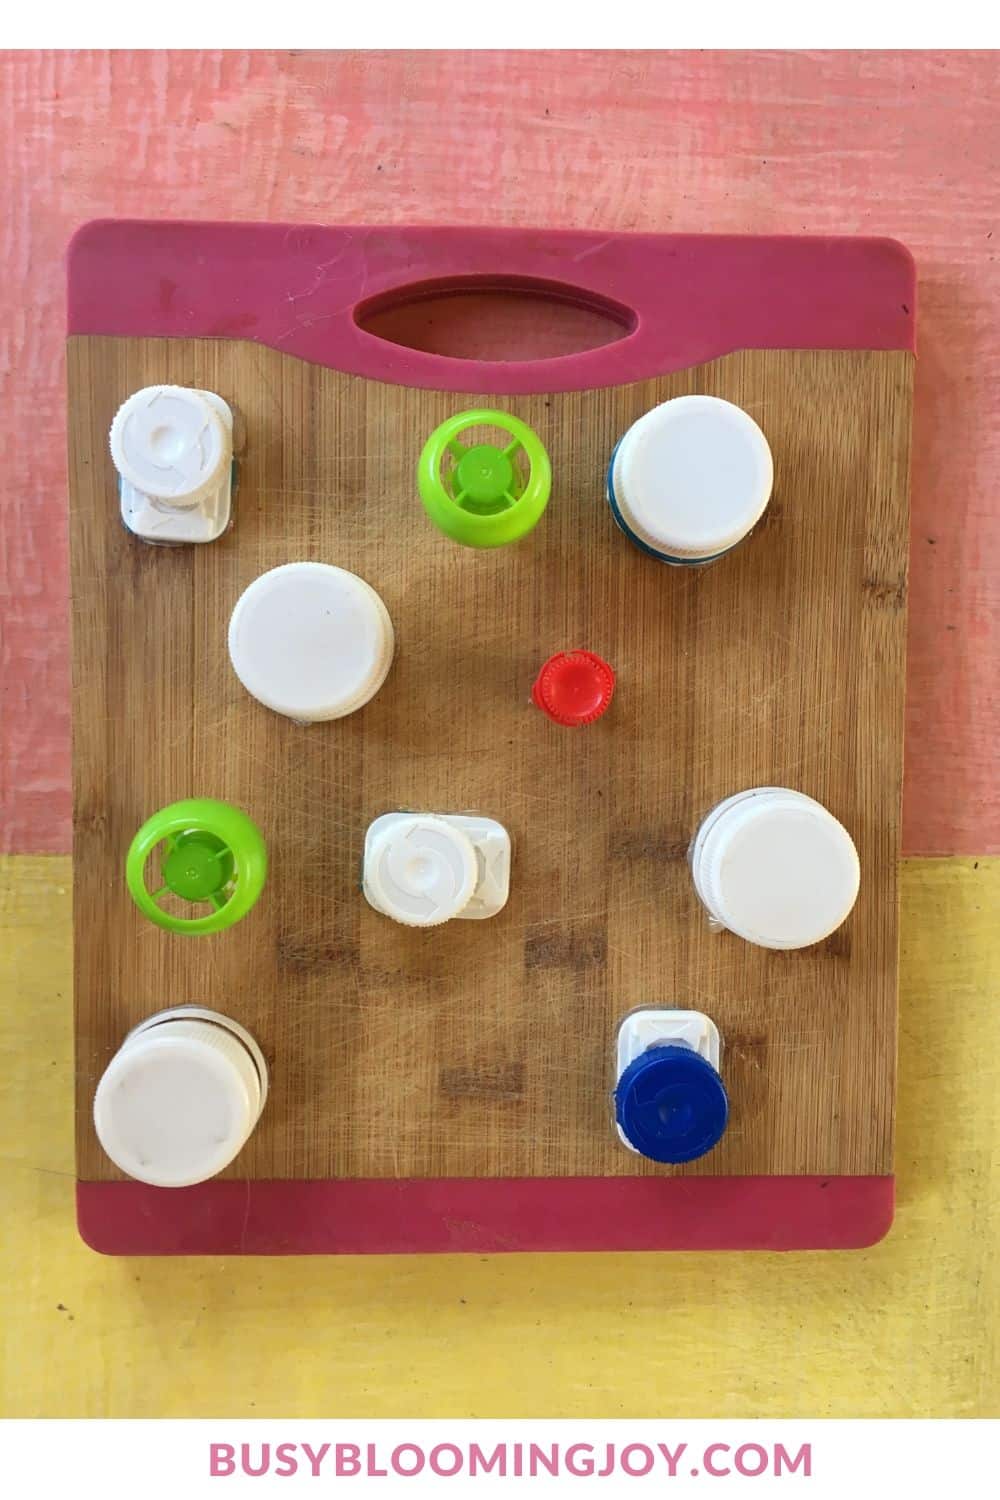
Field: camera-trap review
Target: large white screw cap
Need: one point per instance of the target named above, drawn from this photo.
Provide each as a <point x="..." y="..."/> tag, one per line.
<point x="311" y="641"/>
<point x="692" y="477"/>
<point x="776" y="868"/>
<point x="171" y="444"/>
<point x="178" y="1102"/>
<point x="421" y="871"/>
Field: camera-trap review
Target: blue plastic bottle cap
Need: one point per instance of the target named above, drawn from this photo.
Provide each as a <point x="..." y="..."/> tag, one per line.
<point x="671" y="1104"/>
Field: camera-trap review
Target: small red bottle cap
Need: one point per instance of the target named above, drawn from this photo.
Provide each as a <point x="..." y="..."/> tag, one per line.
<point x="574" y="687"/>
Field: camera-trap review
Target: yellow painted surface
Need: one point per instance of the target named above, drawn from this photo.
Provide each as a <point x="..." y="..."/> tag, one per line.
<point x="908" y="1328"/>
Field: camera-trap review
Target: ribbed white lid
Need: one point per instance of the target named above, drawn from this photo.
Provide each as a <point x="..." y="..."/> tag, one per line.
<point x="420" y="870"/>
<point x="775" y="867"/>
<point x="170" y="443"/>
<point x="311" y="641"/>
<point x="692" y="476"/>
<point x="177" y="1102"/>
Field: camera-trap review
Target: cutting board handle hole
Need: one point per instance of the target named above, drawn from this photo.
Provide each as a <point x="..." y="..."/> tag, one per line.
<point x="495" y="319"/>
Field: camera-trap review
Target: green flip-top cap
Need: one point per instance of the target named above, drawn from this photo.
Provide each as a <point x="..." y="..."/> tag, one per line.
<point x="211" y="855"/>
<point x="484" y="495"/>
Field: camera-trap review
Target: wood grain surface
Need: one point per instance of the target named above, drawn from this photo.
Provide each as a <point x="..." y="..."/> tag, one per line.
<point x="902" y="143"/>
<point x="907" y="1328"/>
<point x="484" y="1048"/>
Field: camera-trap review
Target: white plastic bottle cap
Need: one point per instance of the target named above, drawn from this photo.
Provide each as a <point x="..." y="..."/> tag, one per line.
<point x="420" y="870"/>
<point x="491" y="847"/>
<point x="178" y="1101"/>
<point x="692" y="477"/>
<point x="171" y="444"/>
<point x="311" y="641"/>
<point x="775" y="867"/>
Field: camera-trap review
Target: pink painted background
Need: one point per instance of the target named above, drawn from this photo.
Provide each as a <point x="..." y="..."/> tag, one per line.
<point x="905" y="145"/>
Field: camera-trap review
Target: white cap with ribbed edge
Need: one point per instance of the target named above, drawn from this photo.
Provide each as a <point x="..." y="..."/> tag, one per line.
<point x="692" y="477"/>
<point x="419" y="870"/>
<point x="180" y="1098"/>
<point x="311" y="641"/>
<point x="775" y="867"/>
<point x="171" y="443"/>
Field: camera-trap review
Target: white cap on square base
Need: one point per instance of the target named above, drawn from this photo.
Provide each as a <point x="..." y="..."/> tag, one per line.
<point x="180" y="1098"/>
<point x="419" y="870"/>
<point x="311" y="641"/>
<point x="773" y="866"/>
<point x="416" y="867"/>
<point x="171" y="443"/>
<point x="691" y="477"/>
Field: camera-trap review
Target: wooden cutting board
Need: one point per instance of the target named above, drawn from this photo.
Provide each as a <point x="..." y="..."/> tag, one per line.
<point x="450" y="1089"/>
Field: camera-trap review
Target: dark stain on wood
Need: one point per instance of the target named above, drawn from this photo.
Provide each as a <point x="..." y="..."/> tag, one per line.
<point x="303" y="952"/>
<point x="888" y="591"/>
<point x="489" y="1080"/>
<point x="666" y="847"/>
<point x="569" y="948"/>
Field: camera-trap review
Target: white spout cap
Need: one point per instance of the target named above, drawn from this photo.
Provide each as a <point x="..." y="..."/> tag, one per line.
<point x="178" y="1102"/>
<point x="421" y="871"/>
<point x="311" y="641"/>
<point x="775" y="867"/>
<point x="171" y="444"/>
<point x="692" y="476"/>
